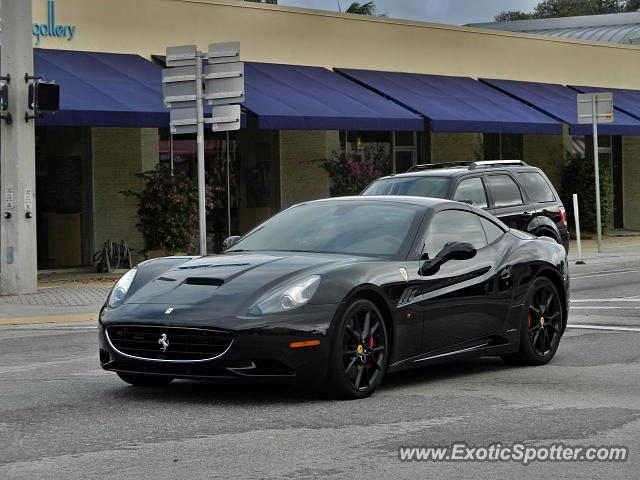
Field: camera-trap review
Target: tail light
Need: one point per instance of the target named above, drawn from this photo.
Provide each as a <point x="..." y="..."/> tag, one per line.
<point x="563" y="217"/>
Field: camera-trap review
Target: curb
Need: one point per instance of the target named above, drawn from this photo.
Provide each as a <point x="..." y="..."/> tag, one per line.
<point x="81" y="317"/>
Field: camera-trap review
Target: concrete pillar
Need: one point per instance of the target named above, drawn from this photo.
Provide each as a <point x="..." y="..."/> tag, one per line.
<point x="631" y="182"/>
<point x="301" y="174"/>
<point x="118" y="154"/>
<point x="456" y="147"/>
<point x="547" y="152"/>
<point x="18" y="248"/>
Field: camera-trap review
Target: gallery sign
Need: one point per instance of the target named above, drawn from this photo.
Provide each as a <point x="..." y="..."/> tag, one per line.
<point x="51" y="28"/>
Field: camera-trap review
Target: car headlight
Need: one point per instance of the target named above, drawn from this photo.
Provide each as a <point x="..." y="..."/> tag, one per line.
<point x="120" y="290"/>
<point x="289" y="297"/>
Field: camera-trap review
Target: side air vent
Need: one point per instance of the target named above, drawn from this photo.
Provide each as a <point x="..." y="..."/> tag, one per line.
<point x="212" y="282"/>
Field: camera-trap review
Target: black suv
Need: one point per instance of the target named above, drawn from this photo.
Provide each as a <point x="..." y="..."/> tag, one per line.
<point x="518" y="194"/>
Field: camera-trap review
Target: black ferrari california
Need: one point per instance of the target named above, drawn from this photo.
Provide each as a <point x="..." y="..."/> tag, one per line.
<point x="336" y="293"/>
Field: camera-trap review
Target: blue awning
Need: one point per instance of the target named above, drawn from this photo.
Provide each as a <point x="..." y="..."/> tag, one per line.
<point x="561" y="102"/>
<point x="296" y="97"/>
<point x="292" y="97"/>
<point x="627" y="101"/>
<point x="103" y="89"/>
<point x="456" y="104"/>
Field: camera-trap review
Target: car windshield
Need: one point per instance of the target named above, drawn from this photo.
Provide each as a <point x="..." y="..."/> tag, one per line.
<point x="418" y="186"/>
<point x="377" y="229"/>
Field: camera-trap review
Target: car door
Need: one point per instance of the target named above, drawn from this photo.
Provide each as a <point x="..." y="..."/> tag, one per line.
<point x="456" y="302"/>
<point x="508" y="202"/>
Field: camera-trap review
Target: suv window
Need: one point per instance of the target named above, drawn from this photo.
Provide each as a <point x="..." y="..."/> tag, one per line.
<point x="492" y="231"/>
<point x="435" y="187"/>
<point x="536" y="187"/>
<point x="504" y="191"/>
<point x="454" y="226"/>
<point x="471" y="191"/>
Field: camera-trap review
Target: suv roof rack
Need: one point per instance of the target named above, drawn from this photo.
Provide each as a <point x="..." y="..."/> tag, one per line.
<point x="429" y="166"/>
<point x="496" y="163"/>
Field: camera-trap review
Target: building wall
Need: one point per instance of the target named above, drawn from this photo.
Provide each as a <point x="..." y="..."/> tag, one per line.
<point x="301" y="174"/>
<point x="546" y="152"/>
<point x="631" y="182"/>
<point x="118" y="154"/>
<point x="456" y="147"/>
<point x="272" y="33"/>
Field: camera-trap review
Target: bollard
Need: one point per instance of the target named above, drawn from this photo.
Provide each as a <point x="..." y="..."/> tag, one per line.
<point x="576" y="216"/>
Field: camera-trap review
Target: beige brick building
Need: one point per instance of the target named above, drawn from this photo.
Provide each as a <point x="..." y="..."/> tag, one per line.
<point x="90" y="164"/>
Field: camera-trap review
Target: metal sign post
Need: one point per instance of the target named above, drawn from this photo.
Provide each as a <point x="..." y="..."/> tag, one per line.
<point x="596" y="108"/>
<point x="18" y="244"/>
<point x="184" y="93"/>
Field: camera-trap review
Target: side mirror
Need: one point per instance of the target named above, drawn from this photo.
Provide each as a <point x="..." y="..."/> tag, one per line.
<point x="230" y="242"/>
<point x="451" y="251"/>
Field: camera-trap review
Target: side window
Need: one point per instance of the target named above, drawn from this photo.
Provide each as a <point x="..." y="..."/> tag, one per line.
<point x="471" y="191"/>
<point x="504" y="191"/>
<point x="492" y="231"/>
<point x="454" y="226"/>
<point x="536" y="187"/>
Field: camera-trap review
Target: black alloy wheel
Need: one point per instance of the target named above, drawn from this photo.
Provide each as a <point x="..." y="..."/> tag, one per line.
<point x="543" y="321"/>
<point x="360" y="351"/>
<point x="542" y="325"/>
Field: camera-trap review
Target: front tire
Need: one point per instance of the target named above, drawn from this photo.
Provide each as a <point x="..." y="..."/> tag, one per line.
<point x="541" y="327"/>
<point x="144" y="380"/>
<point x="359" y="351"/>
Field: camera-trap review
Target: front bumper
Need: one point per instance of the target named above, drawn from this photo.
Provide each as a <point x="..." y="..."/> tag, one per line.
<point x="260" y="349"/>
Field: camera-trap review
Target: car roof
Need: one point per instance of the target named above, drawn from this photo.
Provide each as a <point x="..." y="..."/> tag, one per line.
<point x="460" y="171"/>
<point x="434" y="204"/>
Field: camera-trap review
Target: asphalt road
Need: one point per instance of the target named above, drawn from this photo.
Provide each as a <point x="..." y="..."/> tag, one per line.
<point x="62" y="417"/>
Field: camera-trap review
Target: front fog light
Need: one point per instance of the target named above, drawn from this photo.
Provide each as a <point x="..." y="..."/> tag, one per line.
<point x="289" y="297"/>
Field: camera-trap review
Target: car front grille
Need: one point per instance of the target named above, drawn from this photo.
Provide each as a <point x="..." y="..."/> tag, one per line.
<point x="182" y="344"/>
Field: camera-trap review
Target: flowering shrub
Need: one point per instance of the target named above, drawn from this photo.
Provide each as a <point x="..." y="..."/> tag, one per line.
<point x="168" y="209"/>
<point x="350" y="174"/>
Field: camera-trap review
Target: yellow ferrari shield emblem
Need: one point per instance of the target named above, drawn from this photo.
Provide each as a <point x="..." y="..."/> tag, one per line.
<point x="360" y="349"/>
<point x="404" y="274"/>
<point x="541" y="320"/>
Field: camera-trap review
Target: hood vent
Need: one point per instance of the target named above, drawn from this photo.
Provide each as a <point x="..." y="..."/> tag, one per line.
<point x="212" y="282"/>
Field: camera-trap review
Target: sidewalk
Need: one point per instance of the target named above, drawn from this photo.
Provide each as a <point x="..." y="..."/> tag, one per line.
<point x="63" y="296"/>
<point x="620" y="250"/>
<point x="77" y="295"/>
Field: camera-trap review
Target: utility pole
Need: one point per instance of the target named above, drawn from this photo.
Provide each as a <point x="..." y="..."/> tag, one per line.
<point x="18" y="244"/>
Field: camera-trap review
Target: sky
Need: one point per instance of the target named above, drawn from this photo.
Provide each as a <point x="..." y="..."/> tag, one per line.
<point x="455" y="12"/>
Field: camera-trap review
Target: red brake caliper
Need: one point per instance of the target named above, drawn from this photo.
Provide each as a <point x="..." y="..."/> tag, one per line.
<point x="370" y="344"/>
<point x="530" y="320"/>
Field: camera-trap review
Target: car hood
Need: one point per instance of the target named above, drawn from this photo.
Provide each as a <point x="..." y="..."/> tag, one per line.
<point x="229" y="281"/>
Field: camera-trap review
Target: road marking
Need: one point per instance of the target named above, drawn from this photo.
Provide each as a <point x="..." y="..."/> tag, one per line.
<point x="86" y="359"/>
<point x="606" y="300"/>
<point x="604" y="308"/>
<point x="605" y="327"/>
<point x="603" y="274"/>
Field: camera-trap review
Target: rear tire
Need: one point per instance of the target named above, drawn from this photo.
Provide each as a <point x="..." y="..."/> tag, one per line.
<point x="144" y="380"/>
<point x="541" y="327"/>
<point x="359" y="351"/>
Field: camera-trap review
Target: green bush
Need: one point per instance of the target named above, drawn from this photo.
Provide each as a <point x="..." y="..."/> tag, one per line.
<point x="578" y="177"/>
<point x="168" y="209"/>
<point x="350" y="174"/>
